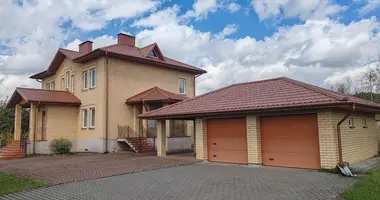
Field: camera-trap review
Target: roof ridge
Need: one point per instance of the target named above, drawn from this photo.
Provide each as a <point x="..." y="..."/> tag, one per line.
<point x="148" y="92"/>
<point x="68" y="50"/>
<point x="338" y="96"/>
<point x="43" y="89"/>
<point x="162" y="92"/>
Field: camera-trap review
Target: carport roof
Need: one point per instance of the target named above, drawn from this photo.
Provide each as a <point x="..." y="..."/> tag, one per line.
<point x="273" y="94"/>
<point x="31" y="95"/>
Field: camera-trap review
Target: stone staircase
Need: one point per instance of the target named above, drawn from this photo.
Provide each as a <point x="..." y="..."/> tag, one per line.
<point x="12" y="150"/>
<point x="139" y="145"/>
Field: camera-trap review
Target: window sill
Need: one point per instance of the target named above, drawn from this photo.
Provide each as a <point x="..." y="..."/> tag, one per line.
<point x="84" y="128"/>
<point x="92" y="128"/>
<point x="365" y="126"/>
<point x="351" y="127"/>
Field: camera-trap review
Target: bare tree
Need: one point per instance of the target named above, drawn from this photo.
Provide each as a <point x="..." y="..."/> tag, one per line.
<point x="370" y="81"/>
<point x="345" y="87"/>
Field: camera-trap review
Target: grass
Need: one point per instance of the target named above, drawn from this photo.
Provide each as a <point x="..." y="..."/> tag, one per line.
<point x="368" y="189"/>
<point x="11" y="183"/>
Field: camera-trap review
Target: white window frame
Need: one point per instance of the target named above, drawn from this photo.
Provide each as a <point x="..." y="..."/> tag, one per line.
<point x="84" y="118"/>
<point x="92" y="81"/>
<point x="72" y="83"/>
<point x="184" y="85"/>
<point x="52" y="85"/>
<point x="351" y="122"/>
<point x="92" y="119"/>
<point x="68" y="80"/>
<point x="85" y="80"/>
<point x="63" y="83"/>
<point x="364" y="123"/>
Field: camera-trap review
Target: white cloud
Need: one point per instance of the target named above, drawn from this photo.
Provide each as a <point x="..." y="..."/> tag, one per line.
<point x="370" y="5"/>
<point x="166" y="16"/>
<point x="32" y="31"/>
<point x="312" y="9"/>
<point x="233" y="7"/>
<point x="104" y="40"/>
<point x="201" y="8"/>
<point x="228" y="30"/>
<point x="309" y="52"/>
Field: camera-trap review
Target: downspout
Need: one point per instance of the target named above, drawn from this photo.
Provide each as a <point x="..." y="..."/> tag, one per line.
<point x="340" y="135"/>
<point x="106" y="93"/>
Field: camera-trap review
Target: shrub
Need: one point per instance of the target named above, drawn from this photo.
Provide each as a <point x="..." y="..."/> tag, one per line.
<point x="61" y="146"/>
<point x="5" y="138"/>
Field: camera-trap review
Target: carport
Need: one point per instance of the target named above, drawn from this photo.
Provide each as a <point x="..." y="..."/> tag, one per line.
<point x="277" y="122"/>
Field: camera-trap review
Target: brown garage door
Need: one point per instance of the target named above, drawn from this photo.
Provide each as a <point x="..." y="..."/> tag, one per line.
<point x="227" y="140"/>
<point x="290" y="141"/>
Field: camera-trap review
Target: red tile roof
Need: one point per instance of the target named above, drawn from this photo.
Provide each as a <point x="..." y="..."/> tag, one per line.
<point x="31" y="95"/>
<point x="156" y="94"/>
<point x="120" y="51"/>
<point x="279" y="93"/>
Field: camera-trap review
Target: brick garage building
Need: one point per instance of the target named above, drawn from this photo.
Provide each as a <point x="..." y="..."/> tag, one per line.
<point x="277" y="122"/>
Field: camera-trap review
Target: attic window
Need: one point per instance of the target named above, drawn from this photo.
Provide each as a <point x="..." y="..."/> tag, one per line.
<point x="152" y="54"/>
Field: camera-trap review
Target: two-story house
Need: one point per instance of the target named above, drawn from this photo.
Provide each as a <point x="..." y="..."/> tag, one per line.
<point x="94" y="97"/>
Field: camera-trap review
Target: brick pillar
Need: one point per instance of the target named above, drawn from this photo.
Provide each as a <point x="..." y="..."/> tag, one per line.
<point x="254" y="140"/>
<point x="18" y="113"/>
<point x="161" y="138"/>
<point x="32" y="121"/>
<point x="201" y="139"/>
<point x="328" y="140"/>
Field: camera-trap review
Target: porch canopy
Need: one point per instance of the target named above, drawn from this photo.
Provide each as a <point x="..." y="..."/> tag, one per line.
<point x="26" y="96"/>
<point x="155" y="95"/>
<point x="30" y="98"/>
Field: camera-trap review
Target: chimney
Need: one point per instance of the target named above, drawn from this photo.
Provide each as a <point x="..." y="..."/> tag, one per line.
<point x="126" y="39"/>
<point x="85" y="47"/>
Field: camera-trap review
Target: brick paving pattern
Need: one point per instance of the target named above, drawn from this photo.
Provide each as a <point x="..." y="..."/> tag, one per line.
<point x="66" y="169"/>
<point x="202" y="181"/>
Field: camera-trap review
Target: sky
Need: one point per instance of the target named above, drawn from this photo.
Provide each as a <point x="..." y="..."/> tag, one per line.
<point x="322" y="42"/>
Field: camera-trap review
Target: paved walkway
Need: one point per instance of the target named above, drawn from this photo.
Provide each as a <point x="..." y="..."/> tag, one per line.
<point x="366" y="166"/>
<point x="79" y="167"/>
<point x="202" y="181"/>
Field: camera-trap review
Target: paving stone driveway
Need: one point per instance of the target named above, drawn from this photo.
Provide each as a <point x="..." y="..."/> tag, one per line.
<point x="79" y="167"/>
<point x="202" y="181"/>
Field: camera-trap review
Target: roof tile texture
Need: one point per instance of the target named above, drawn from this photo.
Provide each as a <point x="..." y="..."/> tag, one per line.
<point x="260" y="95"/>
<point x="156" y="94"/>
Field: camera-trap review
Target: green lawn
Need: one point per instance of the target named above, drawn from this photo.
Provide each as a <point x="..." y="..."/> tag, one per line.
<point x="369" y="189"/>
<point x="10" y="183"/>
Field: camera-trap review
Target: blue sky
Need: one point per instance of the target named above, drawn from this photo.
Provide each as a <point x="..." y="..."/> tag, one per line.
<point x="322" y="42"/>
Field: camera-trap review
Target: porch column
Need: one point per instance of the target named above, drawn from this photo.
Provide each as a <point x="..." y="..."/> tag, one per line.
<point x="167" y="127"/>
<point x="201" y="151"/>
<point x="32" y="121"/>
<point x="161" y="138"/>
<point x="144" y="121"/>
<point x="18" y="113"/>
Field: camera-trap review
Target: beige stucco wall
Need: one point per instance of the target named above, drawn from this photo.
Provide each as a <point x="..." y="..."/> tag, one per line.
<point x="130" y="78"/>
<point x="125" y="80"/>
<point x="61" y="122"/>
<point x="90" y="98"/>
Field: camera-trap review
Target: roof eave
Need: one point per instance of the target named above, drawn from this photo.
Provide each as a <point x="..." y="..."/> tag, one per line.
<point x="205" y="114"/>
<point x="100" y="52"/>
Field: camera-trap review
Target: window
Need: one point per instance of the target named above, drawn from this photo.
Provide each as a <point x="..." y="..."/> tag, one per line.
<point x="63" y="84"/>
<point x="152" y="54"/>
<point x="85" y="80"/>
<point x="364" y="123"/>
<point x="182" y="84"/>
<point x="72" y="83"/>
<point x="47" y="87"/>
<point x="84" y="118"/>
<point x="67" y="80"/>
<point x="93" y="78"/>
<point x="52" y="86"/>
<point x="92" y="117"/>
<point x="351" y="123"/>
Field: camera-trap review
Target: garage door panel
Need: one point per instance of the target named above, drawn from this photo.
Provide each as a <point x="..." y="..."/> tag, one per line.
<point x="290" y="141"/>
<point x="227" y="140"/>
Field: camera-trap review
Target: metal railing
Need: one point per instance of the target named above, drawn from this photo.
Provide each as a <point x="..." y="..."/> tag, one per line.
<point x="125" y="131"/>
